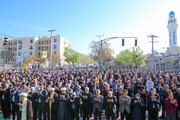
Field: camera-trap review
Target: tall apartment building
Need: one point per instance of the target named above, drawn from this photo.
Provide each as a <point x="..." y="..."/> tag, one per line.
<point x="59" y="44"/>
<point x="33" y="46"/>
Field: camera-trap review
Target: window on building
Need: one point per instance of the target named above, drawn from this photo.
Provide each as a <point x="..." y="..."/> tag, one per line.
<point x="54" y="52"/>
<point x="8" y="49"/>
<point x="55" y="39"/>
<point x="45" y="42"/>
<point x="39" y="42"/>
<point x="39" y="48"/>
<point x="31" y="53"/>
<point x="14" y="49"/>
<point x="55" y="46"/>
<point x="39" y="54"/>
<point x="19" y="53"/>
<point x="174" y="37"/>
<point x="31" y="47"/>
<point x="31" y="41"/>
<point x="47" y="47"/>
<point x="42" y="48"/>
<point x="42" y="42"/>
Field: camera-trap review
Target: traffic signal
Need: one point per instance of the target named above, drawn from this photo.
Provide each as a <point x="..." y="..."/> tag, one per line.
<point x="5" y="41"/>
<point x="135" y="42"/>
<point x="122" y="42"/>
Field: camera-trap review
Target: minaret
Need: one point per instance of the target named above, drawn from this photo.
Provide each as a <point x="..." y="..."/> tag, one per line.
<point x="172" y="28"/>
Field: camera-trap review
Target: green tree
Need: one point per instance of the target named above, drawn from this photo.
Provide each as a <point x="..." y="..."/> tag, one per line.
<point x="70" y="57"/>
<point x="135" y="58"/>
<point x="74" y="58"/>
<point x="68" y="54"/>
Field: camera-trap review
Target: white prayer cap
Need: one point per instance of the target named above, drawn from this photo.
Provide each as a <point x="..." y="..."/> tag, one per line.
<point x="63" y="89"/>
<point x="23" y="94"/>
<point x="105" y="83"/>
<point x="51" y="89"/>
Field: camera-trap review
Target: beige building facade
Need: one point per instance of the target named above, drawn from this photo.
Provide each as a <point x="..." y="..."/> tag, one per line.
<point x="26" y="47"/>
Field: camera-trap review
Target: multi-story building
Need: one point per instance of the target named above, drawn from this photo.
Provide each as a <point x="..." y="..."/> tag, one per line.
<point x="27" y="47"/>
<point x="59" y="44"/>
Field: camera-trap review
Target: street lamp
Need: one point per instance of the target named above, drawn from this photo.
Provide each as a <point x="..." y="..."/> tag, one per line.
<point x="100" y="51"/>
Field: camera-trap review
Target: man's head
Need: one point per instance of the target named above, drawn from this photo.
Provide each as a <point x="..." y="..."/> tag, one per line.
<point x="86" y="89"/>
<point x="125" y="92"/>
<point x="110" y="93"/>
<point x="153" y="91"/>
<point x="73" y="94"/>
<point x="97" y="92"/>
<point x="137" y="94"/>
<point x="170" y="95"/>
<point x="51" y="90"/>
<point x="178" y="90"/>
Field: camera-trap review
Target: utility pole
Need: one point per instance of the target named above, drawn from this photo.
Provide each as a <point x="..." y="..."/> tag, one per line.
<point x="50" y="60"/>
<point x="152" y="36"/>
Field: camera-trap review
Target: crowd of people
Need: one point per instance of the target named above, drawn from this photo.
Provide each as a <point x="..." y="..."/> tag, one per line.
<point x="74" y="93"/>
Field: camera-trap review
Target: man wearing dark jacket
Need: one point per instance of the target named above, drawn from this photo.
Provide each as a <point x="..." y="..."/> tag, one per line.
<point x="5" y="104"/>
<point x="41" y="99"/>
<point x="153" y="104"/>
<point x="74" y="106"/>
<point x="15" y="101"/>
<point x="86" y="103"/>
<point x="164" y="95"/>
<point x="110" y="106"/>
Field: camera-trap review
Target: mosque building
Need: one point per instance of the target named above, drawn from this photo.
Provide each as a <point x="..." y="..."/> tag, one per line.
<point x="171" y="58"/>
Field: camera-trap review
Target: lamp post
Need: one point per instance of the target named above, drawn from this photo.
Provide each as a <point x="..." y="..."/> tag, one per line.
<point x="100" y="51"/>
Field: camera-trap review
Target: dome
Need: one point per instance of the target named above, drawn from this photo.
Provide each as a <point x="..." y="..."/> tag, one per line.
<point x="171" y="13"/>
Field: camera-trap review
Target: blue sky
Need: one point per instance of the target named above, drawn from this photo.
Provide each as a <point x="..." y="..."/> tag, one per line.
<point x="80" y="20"/>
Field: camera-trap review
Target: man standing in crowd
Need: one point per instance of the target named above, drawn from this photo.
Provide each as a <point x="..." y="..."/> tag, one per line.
<point x="63" y="106"/>
<point x="171" y="106"/>
<point x="74" y="106"/>
<point x="15" y="101"/>
<point x="41" y="99"/>
<point x="165" y="92"/>
<point x="52" y="104"/>
<point x="153" y="105"/>
<point x="125" y="102"/>
<point x="86" y="103"/>
<point x="6" y="101"/>
<point x="98" y="101"/>
<point x="25" y="108"/>
<point x="137" y="107"/>
<point x="110" y="106"/>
